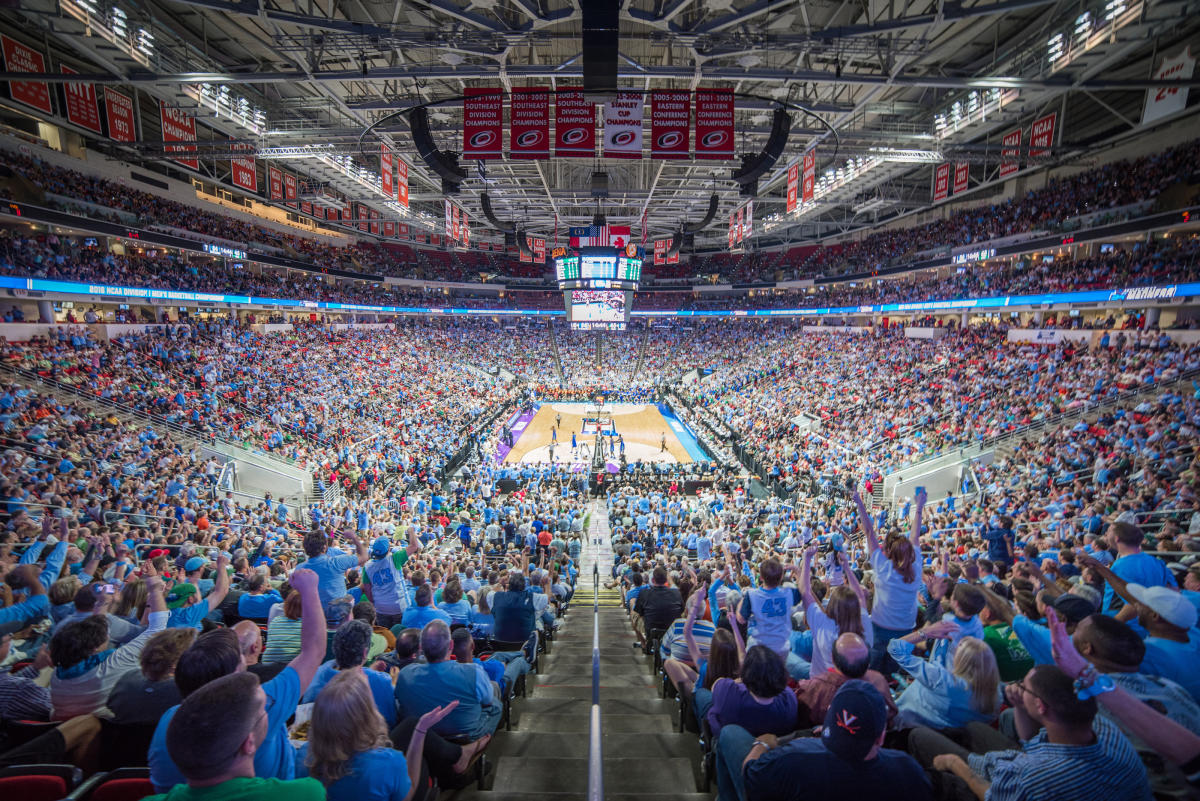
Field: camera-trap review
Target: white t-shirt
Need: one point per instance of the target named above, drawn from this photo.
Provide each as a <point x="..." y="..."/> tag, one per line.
<point x="895" y="600"/>
<point x="824" y="632"/>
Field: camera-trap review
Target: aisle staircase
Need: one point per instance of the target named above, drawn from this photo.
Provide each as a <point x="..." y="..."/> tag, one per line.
<point x="545" y="756"/>
<point x="550" y="332"/>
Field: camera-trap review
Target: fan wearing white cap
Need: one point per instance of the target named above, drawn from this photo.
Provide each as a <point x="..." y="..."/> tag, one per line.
<point x="1172" y="641"/>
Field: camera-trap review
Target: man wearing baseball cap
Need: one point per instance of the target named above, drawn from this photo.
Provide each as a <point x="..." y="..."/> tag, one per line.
<point x="848" y="760"/>
<point x="188" y="605"/>
<point x="1172" y="643"/>
<point x="383" y="578"/>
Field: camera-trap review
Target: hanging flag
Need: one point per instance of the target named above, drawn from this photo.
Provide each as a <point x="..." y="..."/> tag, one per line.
<point x="574" y="123"/>
<point x="1041" y="135"/>
<point x="941" y="182"/>
<point x="538" y="246"/>
<point x="1009" y="153"/>
<point x="464" y="229"/>
<point x="1164" y="100"/>
<point x="449" y="209"/>
<point x="347" y="215"/>
<point x="962" y="176"/>
<point x="714" y="123"/>
<point x="529" y="123"/>
<point x="401" y="181"/>
<point x="623" y="126"/>
<point x="178" y="126"/>
<point x="483" y="121"/>
<point x="243" y="170"/>
<point x="435" y="239"/>
<point x="274" y="183"/>
<point x="673" y="256"/>
<point x="402" y="230"/>
<point x="645" y="227"/>
<point x="82" y="106"/>
<point x="19" y="58"/>
<point x="453" y="237"/>
<point x="385" y="171"/>
<point x="793" y="185"/>
<point x="740" y="224"/>
<point x="389" y="229"/>
<point x="809" y="177"/>
<point x="601" y="236"/>
<point x="289" y="189"/>
<point x="670" y="124"/>
<point x="118" y="109"/>
<point x="306" y="207"/>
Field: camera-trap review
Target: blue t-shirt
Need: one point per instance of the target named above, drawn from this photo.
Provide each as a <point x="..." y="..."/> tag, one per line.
<point x="380" y="774"/>
<point x="188" y="617"/>
<point x="331" y="568"/>
<point x="258" y="605"/>
<point x="1175" y="661"/>
<point x="275" y="758"/>
<point x="1137" y="568"/>
<point x="380" y="683"/>
<point x="769" y="612"/>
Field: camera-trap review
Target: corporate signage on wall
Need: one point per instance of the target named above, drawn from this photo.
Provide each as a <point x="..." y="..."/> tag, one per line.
<point x="529" y="128"/>
<point x="178" y="126"/>
<point x="20" y="58"/>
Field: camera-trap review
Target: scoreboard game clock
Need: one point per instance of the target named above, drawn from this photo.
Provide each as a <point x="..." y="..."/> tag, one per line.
<point x="598" y="285"/>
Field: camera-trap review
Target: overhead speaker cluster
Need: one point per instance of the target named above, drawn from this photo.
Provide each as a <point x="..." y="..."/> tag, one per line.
<point x="490" y="214"/>
<point x="442" y="162"/>
<point x="755" y="166"/>
<point x="709" y="216"/>
<point x="599" y="184"/>
<point x="601" y="40"/>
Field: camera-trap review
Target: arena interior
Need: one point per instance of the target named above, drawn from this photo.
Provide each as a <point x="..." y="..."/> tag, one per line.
<point x="751" y="400"/>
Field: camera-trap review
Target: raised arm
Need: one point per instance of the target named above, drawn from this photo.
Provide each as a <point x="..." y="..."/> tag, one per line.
<point x="414" y="542"/>
<point x="221" y="584"/>
<point x="312" y="627"/>
<point x="688" y="637"/>
<point x="852" y="580"/>
<point x="866" y="523"/>
<point x="804" y="577"/>
<point x="915" y="534"/>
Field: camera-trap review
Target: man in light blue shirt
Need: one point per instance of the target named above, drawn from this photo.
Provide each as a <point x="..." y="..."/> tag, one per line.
<point x="331" y="566"/>
<point x="423" y="611"/>
<point x="1133" y="566"/>
<point x="421" y="688"/>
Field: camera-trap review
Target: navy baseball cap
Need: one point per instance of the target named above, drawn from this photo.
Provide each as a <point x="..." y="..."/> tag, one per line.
<point x="856" y="717"/>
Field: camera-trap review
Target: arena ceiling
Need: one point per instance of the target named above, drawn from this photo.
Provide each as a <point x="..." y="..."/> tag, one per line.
<point x="310" y="75"/>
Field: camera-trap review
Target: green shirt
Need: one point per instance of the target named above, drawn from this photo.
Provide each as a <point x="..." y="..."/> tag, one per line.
<point x="247" y="790"/>
<point x="1011" y="657"/>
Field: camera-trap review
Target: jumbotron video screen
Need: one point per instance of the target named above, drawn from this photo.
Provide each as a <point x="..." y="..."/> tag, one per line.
<point x="598" y="309"/>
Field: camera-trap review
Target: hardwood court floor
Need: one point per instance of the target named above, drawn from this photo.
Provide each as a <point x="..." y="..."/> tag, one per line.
<point x="642" y="426"/>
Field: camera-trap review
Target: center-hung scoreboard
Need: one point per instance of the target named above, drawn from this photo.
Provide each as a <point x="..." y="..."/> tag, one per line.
<point x="598" y="285"/>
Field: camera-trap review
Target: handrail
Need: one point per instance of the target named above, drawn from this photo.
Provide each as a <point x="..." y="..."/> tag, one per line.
<point x="595" y="753"/>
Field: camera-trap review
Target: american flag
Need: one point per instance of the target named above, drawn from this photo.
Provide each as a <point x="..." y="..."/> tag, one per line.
<point x="590" y="236"/>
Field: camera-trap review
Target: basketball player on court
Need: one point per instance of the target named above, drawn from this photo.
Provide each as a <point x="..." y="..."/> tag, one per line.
<point x="663" y="447"/>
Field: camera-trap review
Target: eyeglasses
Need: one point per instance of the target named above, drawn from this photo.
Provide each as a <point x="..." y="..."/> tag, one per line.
<point x="1020" y="685"/>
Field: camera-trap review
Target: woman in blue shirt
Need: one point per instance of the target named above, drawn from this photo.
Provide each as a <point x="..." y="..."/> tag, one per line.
<point x="348" y="749"/>
<point x="941" y="698"/>
<point x="454" y="604"/>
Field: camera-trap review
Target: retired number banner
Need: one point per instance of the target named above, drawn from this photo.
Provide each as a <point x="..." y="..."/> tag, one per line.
<point x="119" y="109"/>
<point x="574" y="124"/>
<point x="82" y="106"/>
<point x="670" y="123"/>
<point x="529" y="126"/>
<point x="19" y="58"/>
<point x="178" y="126"/>
<point x="714" y="123"/>
<point x="483" y="121"/>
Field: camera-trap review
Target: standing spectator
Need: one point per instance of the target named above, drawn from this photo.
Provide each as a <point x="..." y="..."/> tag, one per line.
<point x="897" y="583"/>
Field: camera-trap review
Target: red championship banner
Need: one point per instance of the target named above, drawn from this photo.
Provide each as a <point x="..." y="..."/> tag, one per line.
<point x="537" y="245"/>
<point x="306" y="207"/>
<point x="118" y="108"/>
<point x="714" y="123"/>
<point x="402" y="230"/>
<point x="749" y="229"/>
<point x="347" y="215"/>
<point x="741" y="221"/>
<point x="435" y="239"/>
<point x="289" y="189"/>
<point x="529" y="123"/>
<point x="385" y="171"/>
<point x="420" y="237"/>
<point x="623" y="126"/>
<point x="1009" y="153"/>
<point x="19" y="58"/>
<point x="670" y="123"/>
<point x="83" y="109"/>
<point x="274" y="183"/>
<point x="178" y="126"/>
<point x="962" y="176"/>
<point x="808" y="177"/>
<point x="1041" y="135"/>
<point x="389" y="229"/>
<point x="375" y="215"/>
<point x="732" y="230"/>
<point x="454" y="213"/>
<point x="243" y="172"/>
<point x="449" y="209"/>
<point x="673" y="256"/>
<point x="401" y="181"/>
<point x="363" y="225"/>
<point x="574" y="123"/>
<point x="464" y="229"/>
<point x="660" y="251"/>
<point x="483" y="121"/>
<point x="793" y="186"/>
<point x="941" y="182"/>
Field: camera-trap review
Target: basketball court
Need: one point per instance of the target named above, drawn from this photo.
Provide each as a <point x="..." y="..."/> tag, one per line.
<point x="642" y="425"/>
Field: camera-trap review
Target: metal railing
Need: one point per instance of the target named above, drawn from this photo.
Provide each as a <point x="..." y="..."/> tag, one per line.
<point x="595" y="753"/>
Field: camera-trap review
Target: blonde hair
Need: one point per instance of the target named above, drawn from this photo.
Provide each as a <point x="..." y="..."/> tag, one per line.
<point x="345" y="722"/>
<point x="975" y="663"/>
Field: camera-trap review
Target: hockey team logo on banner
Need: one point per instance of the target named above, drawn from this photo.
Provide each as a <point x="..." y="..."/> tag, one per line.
<point x="289" y="189"/>
<point x="793" y="186"/>
<point x="529" y="126"/>
<point x="274" y="183"/>
<point x="962" y="177"/>
<point x="385" y="171"/>
<point x="1009" y="153"/>
<point x="574" y="123"/>
<point x="178" y="126"/>
<point x="118" y="108"/>
<point x="809" y="177"/>
<point x="714" y="123"/>
<point x="670" y="123"/>
<point x="941" y="182"/>
<point x="83" y="109"/>
<point x="623" y="126"/>
<point x="483" y="121"/>
<point x="1164" y="100"/>
<point x="401" y="181"/>
<point x="1041" y="135"/>
<point x="19" y="58"/>
<point x="242" y="170"/>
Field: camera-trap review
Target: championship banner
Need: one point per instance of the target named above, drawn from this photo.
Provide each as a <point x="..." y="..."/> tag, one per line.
<point x="740" y="223"/>
<point x="673" y="256"/>
<point x="670" y="123"/>
<point x="420" y="237"/>
<point x="374" y="225"/>
<point x="347" y="215"/>
<point x="526" y="253"/>
<point x="82" y="106"/>
<point x="402" y="230"/>
<point x="243" y="172"/>
<point x="660" y="251"/>
<point x="537" y="244"/>
<point x="714" y="123"/>
<point x="483" y="121"/>
<point x="809" y="177"/>
<point x="306" y="207"/>
<point x="19" y="58"/>
<point x="962" y="176"/>
<point x="1163" y="101"/>
<point x="289" y="189"/>
<point x="941" y="182"/>
<point x="118" y="108"/>
<point x="389" y="229"/>
<point x="454" y="214"/>
<point x="435" y="239"/>
<point x="574" y="124"/>
<point x="1041" y="135"/>
<point x="401" y="181"/>
<point x="464" y="228"/>
<point x="793" y="185"/>
<point x="732" y="231"/>
<point x="529" y="123"/>
<point x="363" y="225"/>
<point x="449" y="208"/>
<point x="749" y="232"/>
<point x="1009" y="152"/>
<point x="178" y="126"/>
<point x="274" y="183"/>
<point x="385" y="171"/>
<point x="623" y="126"/>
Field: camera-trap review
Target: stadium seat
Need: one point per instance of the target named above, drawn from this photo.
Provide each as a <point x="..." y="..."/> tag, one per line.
<point x="38" y="782"/>
<point x="122" y="784"/>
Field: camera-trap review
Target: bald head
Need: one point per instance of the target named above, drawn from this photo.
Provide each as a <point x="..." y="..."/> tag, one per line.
<point x="851" y="656"/>
<point x="249" y="640"/>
